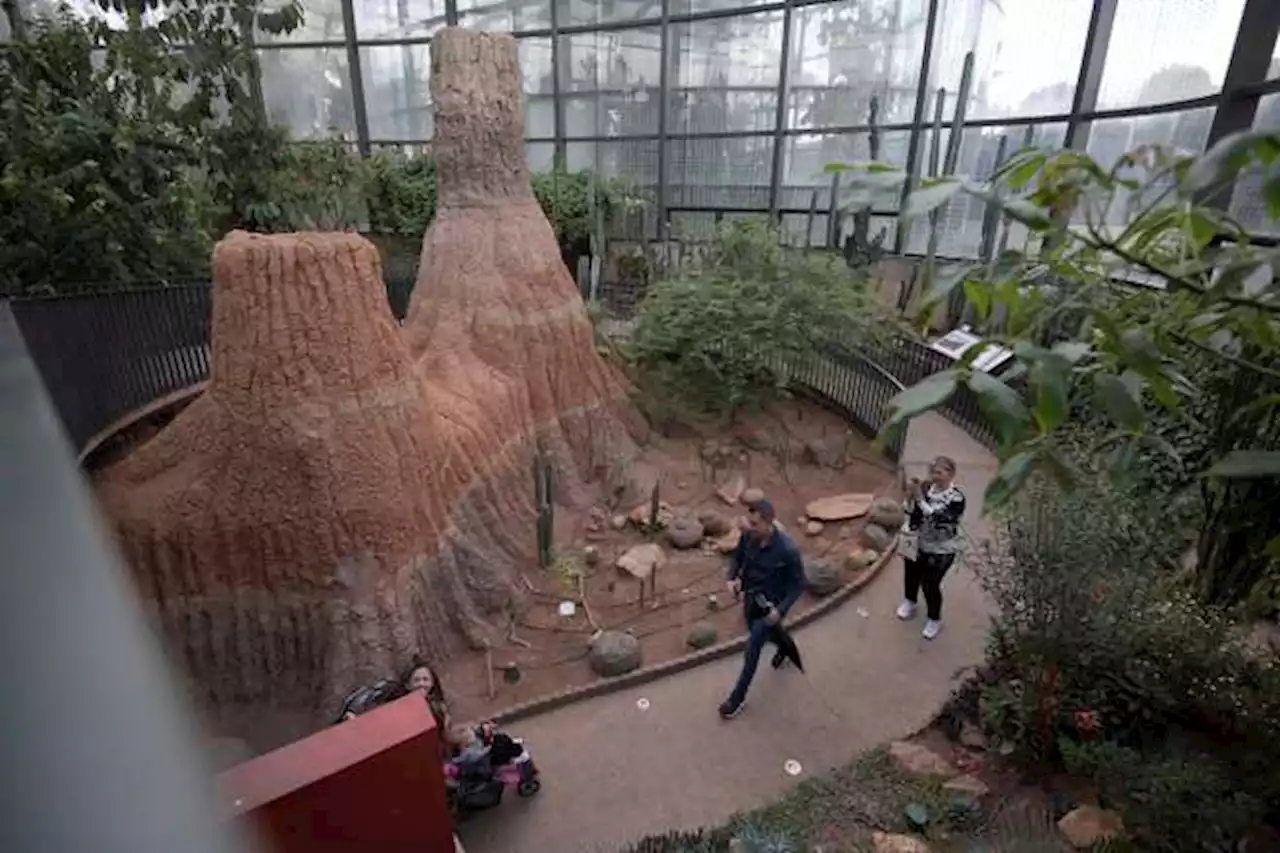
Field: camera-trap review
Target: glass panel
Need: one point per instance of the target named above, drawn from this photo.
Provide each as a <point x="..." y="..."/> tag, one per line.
<point x="693" y="7"/>
<point x="1247" y="205"/>
<point x="578" y="13"/>
<point x="1109" y="139"/>
<point x="806" y="155"/>
<point x="541" y="155"/>
<point x="308" y="90"/>
<point x="1168" y="50"/>
<point x="1026" y="55"/>
<point x="504" y="15"/>
<point x="634" y="160"/>
<point x="960" y="226"/>
<point x="321" y="21"/>
<point x="398" y="18"/>
<point x="397" y="91"/>
<point x="725" y="74"/>
<point x="611" y="82"/>
<point x="539" y="98"/>
<point x="793" y="229"/>
<point x="730" y="173"/>
<point x="844" y="54"/>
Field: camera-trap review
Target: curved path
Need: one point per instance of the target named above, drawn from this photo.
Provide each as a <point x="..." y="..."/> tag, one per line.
<point x="613" y="772"/>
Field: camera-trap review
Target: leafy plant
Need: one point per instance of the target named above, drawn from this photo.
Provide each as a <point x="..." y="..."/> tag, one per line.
<point x="1128" y="281"/>
<point x="721" y="337"/>
<point x="109" y="140"/>
<point x="1173" y="800"/>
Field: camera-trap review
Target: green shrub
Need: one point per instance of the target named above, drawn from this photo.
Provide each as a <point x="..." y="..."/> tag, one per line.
<point x="1172" y="800"/>
<point x="719" y="339"/>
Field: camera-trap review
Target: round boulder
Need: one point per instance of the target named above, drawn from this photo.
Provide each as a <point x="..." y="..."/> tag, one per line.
<point x="713" y="523"/>
<point x="886" y="513"/>
<point x="684" y="533"/>
<point x="591" y="555"/>
<point x="701" y="635"/>
<point x="813" y="528"/>
<point x="861" y="560"/>
<point x="821" y="577"/>
<point x="876" y="538"/>
<point x="614" y="653"/>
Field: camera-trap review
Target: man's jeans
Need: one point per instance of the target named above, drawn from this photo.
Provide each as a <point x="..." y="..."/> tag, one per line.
<point x="759" y="633"/>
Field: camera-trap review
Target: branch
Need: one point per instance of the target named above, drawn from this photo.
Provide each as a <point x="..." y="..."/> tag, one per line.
<point x="1176" y="282"/>
<point x="1228" y="357"/>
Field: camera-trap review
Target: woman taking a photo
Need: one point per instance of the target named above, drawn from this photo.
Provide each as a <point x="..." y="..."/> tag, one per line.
<point x="931" y="542"/>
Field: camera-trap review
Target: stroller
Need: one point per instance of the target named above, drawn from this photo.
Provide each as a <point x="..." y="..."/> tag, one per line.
<point x="477" y="778"/>
<point x="370" y="696"/>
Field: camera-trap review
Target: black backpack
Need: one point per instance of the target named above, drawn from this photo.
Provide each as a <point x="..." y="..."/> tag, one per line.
<point x="370" y="696"/>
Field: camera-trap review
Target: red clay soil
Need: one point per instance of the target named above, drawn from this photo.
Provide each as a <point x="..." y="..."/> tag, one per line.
<point x="348" y="493"/>
<point x="767" y="449"/>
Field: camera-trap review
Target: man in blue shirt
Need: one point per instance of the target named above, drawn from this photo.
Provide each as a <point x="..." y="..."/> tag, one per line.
<point x="766" y="570"/>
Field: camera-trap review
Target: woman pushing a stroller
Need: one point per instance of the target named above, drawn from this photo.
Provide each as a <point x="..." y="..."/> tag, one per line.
<point x="479" y="763"/>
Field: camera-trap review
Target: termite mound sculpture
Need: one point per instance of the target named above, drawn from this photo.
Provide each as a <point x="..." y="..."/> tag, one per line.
<point x="347" y="491"/>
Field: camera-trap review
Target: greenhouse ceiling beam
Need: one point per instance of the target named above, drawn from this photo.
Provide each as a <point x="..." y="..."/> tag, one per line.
<point x="1250" y="60"/>
<point x="559" y="57"/>
<point x="358" y="106"/>
<point x="1084" y="101"/>
<point x="780" y="117"/>
<point x="917" y="119"/>
<point x="664" y="87"/>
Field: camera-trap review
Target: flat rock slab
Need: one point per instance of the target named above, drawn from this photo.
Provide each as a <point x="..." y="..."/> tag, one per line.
<point x="640" y="561"/>
<point x="919" y="760"/>
<point x="840" y="507"/>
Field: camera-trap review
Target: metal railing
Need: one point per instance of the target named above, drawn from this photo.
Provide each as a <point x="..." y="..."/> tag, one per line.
<point x="106" y="356"/>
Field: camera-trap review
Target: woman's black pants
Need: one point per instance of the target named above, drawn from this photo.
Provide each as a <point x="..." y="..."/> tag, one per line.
<point x="925" y="573"/>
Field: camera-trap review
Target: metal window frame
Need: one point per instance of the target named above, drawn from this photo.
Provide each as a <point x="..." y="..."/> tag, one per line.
<point x="1235" y="105"/>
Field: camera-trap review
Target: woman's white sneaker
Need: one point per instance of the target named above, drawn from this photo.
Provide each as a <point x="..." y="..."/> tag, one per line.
<point x="931" y="629"/>
<point x="906" y="610"/>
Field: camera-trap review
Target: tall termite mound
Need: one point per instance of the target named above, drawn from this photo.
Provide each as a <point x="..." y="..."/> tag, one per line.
<point x="495" y="317"/>
<point x="346" y="492"/>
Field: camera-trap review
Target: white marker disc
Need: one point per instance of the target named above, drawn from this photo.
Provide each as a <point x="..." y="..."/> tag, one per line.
<point x="792" y="767"/>
<point x="642" y="704"/>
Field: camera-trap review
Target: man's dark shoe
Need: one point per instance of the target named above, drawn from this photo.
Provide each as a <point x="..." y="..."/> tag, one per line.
<point x="778" y="660"/>
<point x="730" y="709"/>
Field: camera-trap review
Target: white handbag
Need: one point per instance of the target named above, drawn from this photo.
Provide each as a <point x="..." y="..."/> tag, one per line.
<point x="909" y="544"/>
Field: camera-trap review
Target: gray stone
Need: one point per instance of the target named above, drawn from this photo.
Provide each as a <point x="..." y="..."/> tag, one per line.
<point x="614" y="653"/>
<point x="714" y="524"/>
<point x="591" y="555"/>
<point x="827" y="452"/>
<point x="822" y="577"/>
<point x="813" y="528"/>
<point x="887" y="513"/>
<point x="860" y="560"/>
<point x="701" y="635"/>
<point x="684" y="533"/>
<point x="876" y="538"/>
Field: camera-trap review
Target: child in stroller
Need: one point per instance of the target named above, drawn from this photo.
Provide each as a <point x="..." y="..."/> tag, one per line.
<point x="488" y="763"/>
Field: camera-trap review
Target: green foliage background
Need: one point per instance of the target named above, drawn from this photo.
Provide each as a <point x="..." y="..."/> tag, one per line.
<point x="125" y="153"/>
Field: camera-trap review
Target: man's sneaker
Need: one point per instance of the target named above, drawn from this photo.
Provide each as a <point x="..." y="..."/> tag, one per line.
<point x="778" y="660"/>
<point x="931" y="629"/>
<point x="906" y="610"/>
<point x="730" y="709"/>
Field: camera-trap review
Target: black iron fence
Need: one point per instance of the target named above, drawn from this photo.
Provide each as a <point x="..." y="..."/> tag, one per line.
<point x="104" y="356"/>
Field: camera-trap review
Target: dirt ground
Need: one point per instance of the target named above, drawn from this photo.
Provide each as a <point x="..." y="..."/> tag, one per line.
<point x="768" y="451"/>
